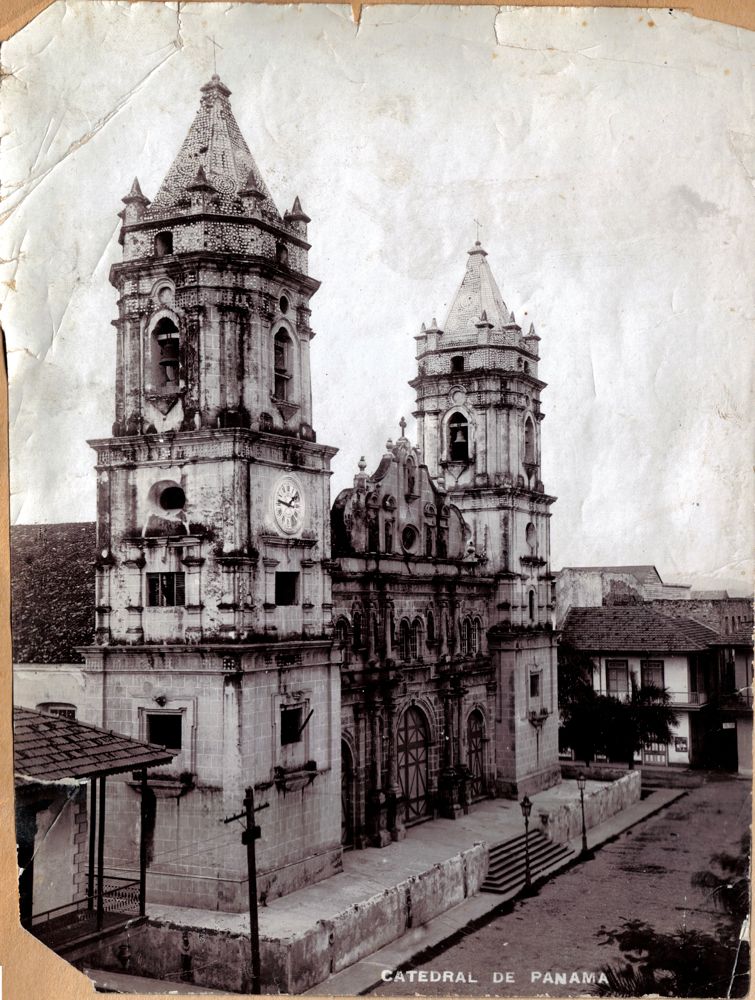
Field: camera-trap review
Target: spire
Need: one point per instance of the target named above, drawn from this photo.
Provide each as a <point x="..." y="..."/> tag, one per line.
<point x="135" y="194"/>
<point x="478" y="296"/>
<point x="297" y="214"/>
<point x="215" y="145"/>
<point x="200" y="182"/>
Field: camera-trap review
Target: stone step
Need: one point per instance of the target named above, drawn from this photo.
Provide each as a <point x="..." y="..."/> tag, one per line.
<point x="508" y="861"/>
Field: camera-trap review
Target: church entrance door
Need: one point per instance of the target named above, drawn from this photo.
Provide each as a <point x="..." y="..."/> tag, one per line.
<point x="475" y="757"/>
<point x="412" y="748"/>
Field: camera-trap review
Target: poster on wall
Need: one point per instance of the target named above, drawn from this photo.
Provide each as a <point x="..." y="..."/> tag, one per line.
<point x="380" y="431"/>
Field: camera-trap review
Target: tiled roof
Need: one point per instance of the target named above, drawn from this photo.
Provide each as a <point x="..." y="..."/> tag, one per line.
<point x="633" y="629"/>
<point x="215" y="144"/>
<point x="741" y="637"/>
<point x="477" y="293"/>
<point x="52" y="591"/>
<point x="50" y="748"/>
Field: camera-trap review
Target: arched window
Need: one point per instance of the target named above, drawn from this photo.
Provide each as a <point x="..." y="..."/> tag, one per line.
<point x="405" y="640"/>
<point x="532" y="605"/>
<point x="357" y="630"/>
<point x="416" y="638"/>
<point x="457" y="363"/>
<point x="466" y="637"/>
<point x="529" y="441"/>
<point x="428" y="540"/>
<point x="430" y="627"/>
<point x="282" y="365"/>
<point x="530" y="535"/>
<point x="374" y="632"/>
<point x="163" y="244"/>
<point x="168" y="343"/>
<point x="342" y="632"/>
<point x="476" y="635"/>
<point x="388" y="536"/>
<point x="458" y="438"/>
<point x="410" y="480"/>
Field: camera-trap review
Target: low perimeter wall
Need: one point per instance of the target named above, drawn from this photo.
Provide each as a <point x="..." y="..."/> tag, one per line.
<point x="565" y="822"/>
<point x="220" y="959"/>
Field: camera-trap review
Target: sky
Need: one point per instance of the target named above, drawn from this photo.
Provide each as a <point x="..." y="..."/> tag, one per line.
<point x="606" y="154"/>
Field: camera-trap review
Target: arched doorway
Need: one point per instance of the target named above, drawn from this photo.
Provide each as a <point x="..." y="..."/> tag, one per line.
<point x="347" y="796"/>
<point x="475" y="753"/>
<point x="412" y="753"/>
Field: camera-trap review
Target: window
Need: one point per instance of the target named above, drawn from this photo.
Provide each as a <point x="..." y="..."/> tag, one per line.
<point x="164" y="729"/>
<point x="430" y="627"/>
<point x="357" y="630"/>
<point x="286" y="589"/>
<point x="529" y="442"/>
<point x="163" y="244"/>
<point x="168" y="341"/>
<point x="291" y="724"/>
<point x="466" y="637"/>
<point x="428" y="540"/>
<point x="457" y="363"/>
<point x="388" y="536"/>
<point x="172" y="498"/>
<point x="283" y="304"/>
<point x="281" y="364"/>
<point x="476" y="635"/>
<point x="617" y="678"/>
<point x="416" y="639"/>
<point x="61" y="709"/>
<point x="458" y="438"/>
<point x="531" y="600"/>
<point x="405" y="642"/>
<point x="409" y="537"/>
<point x="165" y="590"/>
<point x="651" y="672"/>
<point x="534" y="686"/>
<point x="342" y="632"/>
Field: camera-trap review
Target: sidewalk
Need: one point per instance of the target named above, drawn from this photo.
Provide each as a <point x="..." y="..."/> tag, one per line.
<point x="437" y="870"/>
<point x="369" y="872"/>
<point x="365" y="974"/>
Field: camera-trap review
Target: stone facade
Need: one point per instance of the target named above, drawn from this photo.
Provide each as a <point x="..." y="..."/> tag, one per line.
<point x="395" y="655"/>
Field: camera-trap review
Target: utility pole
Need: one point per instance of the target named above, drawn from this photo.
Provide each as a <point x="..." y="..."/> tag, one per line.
<point x="249" y="837"/>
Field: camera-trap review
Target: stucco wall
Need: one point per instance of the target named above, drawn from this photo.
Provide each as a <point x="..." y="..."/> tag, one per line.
<point x="565" y="822"/>
<point x="303" y="959"/>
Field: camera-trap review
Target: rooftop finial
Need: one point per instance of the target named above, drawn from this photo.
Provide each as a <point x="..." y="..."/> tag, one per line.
<point x="215" y="47"/>
<point x="402" y="425"/>
<point x="478" y="224"/>
<point x="362" y="464"/>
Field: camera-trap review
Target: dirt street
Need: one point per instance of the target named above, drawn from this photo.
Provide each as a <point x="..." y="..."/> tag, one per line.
<point x="645" y="874"/>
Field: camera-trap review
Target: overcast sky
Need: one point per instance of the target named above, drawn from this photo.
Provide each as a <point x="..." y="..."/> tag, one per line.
<point x="605" y="153"/>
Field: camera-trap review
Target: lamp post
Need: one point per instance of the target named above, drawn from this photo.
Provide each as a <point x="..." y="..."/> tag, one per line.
<point x="581" y="782"/>
<point x="526" y="810"/>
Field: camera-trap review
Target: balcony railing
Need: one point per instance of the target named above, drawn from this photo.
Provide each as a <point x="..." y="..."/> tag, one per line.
<point x="689" y="697"/>
<point x="68" y="923"/>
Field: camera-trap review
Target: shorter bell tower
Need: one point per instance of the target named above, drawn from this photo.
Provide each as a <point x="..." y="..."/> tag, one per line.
<point x="479" y="422"/>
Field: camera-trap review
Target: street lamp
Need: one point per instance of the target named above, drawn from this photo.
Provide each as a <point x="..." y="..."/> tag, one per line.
<point x="526" y="810"/>
<point x="581" y="782"/>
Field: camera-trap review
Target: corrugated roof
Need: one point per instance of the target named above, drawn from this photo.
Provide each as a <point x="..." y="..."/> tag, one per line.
<point x="50" y="748"/>
<point x="634" y="629"/>
<point x="52" y="591"/>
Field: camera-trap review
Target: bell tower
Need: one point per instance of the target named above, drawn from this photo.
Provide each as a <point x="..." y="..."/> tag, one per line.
<point x="213" y="477"/>
<point x="479" y="424"/>
<point x="214" y="614"/>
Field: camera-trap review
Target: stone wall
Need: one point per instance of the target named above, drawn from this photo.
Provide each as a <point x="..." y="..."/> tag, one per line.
<point x="220" y="959"/>
<point x="565" y="822"/>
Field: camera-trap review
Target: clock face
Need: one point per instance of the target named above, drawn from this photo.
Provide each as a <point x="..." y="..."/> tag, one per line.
<point x="288" y="505"/>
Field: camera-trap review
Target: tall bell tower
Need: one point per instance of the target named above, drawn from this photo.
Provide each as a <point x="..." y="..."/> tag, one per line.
<point x="214" y="614"/>
<point x="479" y="430"/>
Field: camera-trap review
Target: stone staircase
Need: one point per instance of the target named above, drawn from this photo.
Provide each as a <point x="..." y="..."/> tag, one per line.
<point x="506" y="868"/>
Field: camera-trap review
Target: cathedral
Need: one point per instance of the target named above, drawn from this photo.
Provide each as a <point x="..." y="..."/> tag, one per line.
<point x="366" y="664"/>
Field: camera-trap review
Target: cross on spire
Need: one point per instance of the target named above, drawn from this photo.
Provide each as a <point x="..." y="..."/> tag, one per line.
<point x="479" y="226"/>
<point x="402" y="425"/>
<point x="215" y="47"/>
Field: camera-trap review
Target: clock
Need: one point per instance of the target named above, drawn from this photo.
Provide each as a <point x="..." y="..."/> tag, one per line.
<point x="288" y="505"/>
